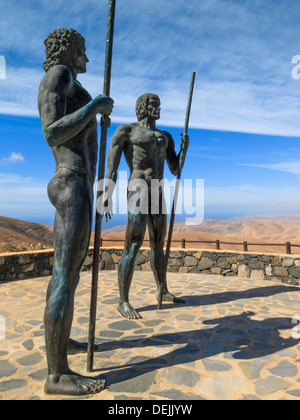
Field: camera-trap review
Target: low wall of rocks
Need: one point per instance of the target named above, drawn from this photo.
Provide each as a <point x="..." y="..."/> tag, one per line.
<point x="282" y="268"/>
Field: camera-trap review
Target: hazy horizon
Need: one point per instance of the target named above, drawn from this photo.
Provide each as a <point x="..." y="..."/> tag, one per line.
<point x="244" y="125"/>
<point x="122" y="220"/>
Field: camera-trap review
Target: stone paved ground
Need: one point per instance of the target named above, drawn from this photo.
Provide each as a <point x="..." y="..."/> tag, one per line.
<point x="232" y="340"/>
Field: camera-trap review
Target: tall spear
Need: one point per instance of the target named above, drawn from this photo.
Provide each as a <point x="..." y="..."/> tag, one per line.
<point x="102" y="156"/>
<point x="180" y="166"/>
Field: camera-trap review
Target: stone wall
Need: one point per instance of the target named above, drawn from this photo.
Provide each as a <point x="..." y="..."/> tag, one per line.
<point x="283" y="268"/>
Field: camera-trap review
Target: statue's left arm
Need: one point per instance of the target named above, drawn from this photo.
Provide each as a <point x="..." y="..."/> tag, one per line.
<point x="171" y="156"/>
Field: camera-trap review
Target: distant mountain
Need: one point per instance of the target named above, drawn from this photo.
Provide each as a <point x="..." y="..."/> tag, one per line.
<point x="18" y="235"/>
<point x="265" y="231"/>
<point x="272" y="229"/>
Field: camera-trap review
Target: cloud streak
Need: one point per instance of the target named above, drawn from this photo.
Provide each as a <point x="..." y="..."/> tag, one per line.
<point x="252" y="200"/>
<point x="290" y="167"/>
<point x="15" y="179"/>
<point x="24" y="198"/>
<point x="242" y="55"/>
<point x="12" y="159"/>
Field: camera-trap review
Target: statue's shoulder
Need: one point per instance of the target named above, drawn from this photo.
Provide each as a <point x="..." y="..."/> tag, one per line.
<point x="58" y="77"/>
<point x="125" y="128"/>
<point x="166" y="134"/>
<point x="135" y="127"/>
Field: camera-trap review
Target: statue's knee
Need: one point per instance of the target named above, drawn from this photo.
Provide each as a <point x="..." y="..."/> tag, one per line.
<point x="63" y="284"/>
<point x="157" y="245"/>
<point x="132" y="249"/>
<point x="136" y="245"/>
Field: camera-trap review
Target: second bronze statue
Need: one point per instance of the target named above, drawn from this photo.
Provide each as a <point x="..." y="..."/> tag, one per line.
<point x="146" y="149"/>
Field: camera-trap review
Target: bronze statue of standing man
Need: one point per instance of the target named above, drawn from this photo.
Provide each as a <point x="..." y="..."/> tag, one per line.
<point x="146" y="149"/>
<point x="68" y="116"/>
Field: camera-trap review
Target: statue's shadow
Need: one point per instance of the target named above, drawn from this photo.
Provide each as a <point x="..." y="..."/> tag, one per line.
<point x="239" y="336"/>
<point x="225" y="297"/>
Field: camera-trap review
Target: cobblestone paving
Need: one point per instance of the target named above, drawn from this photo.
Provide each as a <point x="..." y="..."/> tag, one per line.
<point x="232" y="340"/>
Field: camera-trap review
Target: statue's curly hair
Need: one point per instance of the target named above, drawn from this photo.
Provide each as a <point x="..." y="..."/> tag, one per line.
<point x="141" y="107"/>
<point x="60" y="46"/>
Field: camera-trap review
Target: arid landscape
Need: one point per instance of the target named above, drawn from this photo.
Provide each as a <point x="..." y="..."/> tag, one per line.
<point x="18" y="235"/>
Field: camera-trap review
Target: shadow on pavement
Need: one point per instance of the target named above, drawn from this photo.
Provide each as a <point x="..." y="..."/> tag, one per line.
<point x="225" y="297"/>
<point x="240" y="335"/>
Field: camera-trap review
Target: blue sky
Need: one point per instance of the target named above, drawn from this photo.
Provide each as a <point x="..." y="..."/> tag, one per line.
<point x="245" y="124"/>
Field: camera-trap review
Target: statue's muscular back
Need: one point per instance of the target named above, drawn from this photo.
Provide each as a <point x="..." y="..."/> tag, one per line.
<point x="80" y="151"/>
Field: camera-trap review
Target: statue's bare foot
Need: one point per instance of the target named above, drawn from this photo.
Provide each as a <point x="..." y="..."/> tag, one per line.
<point x="168" y="297"/>
<point x="127" y="311"/>
<point x="73" y="384"/>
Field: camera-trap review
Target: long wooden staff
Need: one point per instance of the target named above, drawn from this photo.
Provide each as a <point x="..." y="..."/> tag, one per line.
<point x="102" y="156"/>
<point x="180" y="166"/>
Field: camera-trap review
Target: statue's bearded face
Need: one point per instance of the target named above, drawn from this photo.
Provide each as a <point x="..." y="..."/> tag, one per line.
<point x="148" y="105"/>
<point x="79" y="58"/>
<point x="154" y="107"/>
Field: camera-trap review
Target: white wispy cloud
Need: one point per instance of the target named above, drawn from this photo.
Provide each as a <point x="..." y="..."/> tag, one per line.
<point x="9" y="178"/>
<point x="22" y="197"/>
<point x="253" y="199"/>
<point x="13" y="158"/>
<point x="290" y="167"/>
<point x="241" y="52"/>
<point x="19" y="91"/>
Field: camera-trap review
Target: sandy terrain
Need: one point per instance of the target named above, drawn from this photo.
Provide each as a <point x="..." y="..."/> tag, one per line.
<point x="17" y="235"/>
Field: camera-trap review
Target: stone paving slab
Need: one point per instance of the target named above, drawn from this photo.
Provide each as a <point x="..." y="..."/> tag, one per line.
<point x="233" y="340"/>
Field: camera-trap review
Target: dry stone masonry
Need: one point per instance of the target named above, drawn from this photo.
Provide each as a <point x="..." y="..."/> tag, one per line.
<point x="283" y="268"/>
